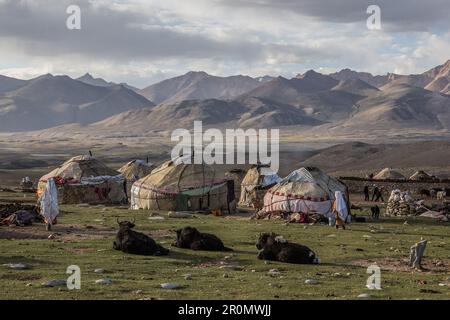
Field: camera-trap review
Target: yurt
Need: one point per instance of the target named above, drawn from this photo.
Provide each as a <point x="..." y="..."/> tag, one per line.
<point x="175" y="185"/>
<point x="306" y="190"/>
<point x="237" y="175"/>
<point x="135" y="170"/>
<point x="255" y="183"/>
<point x="422" y="176"/>
<point x="84" y="179"/>
<point x="389" y="174"/>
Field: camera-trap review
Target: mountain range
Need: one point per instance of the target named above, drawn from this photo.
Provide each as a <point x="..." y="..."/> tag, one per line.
<point x="49" y="101"/>
<point x="199" y="86"/>
<point x="343" y="101"/>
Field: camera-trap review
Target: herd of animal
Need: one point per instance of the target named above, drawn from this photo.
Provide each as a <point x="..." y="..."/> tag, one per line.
<point x="438" y="193"/>
<point x="272" y="247"/>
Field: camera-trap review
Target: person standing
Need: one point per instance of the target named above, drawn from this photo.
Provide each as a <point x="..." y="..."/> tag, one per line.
<point x="375" y="193"/>
<point x="340" y="210"/>
<point x="366" y="193"/>
<point x="379" y="195"/>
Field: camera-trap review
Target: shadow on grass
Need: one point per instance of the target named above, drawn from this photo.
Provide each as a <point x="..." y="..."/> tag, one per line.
<point x="21" y="259"/>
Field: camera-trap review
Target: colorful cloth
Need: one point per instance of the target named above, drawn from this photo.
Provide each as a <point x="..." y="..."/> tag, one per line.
<point x="49" y="202"/>
<point x="340" y="207"/>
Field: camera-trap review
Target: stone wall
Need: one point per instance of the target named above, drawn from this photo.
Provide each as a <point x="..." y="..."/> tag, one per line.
<point x="356" y="185"/>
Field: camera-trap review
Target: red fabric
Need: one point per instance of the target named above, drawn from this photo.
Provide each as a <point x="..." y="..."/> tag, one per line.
<point x="303" y="218"/>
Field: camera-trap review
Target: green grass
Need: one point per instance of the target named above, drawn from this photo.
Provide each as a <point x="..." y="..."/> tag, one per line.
<point x="50" y="258"/>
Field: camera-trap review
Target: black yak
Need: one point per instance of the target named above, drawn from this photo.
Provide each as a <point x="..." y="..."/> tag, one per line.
<point x="275" y="248"/>
<point x="191" y="238"/>
<point x="130" y="241"/>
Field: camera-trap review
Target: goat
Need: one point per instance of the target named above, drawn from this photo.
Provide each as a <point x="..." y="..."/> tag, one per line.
<point x="441" y="195"/>
<point x="276" y="249"/>
<point x="130" y="241"/>
<point x="191" y="238"/>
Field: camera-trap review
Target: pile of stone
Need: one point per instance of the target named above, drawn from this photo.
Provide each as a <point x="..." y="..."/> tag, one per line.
<point x="400" y="204"/>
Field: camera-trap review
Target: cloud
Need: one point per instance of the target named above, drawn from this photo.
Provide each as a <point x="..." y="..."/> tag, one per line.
<point x="145" y="41"/>
<point x="398" y="15"/>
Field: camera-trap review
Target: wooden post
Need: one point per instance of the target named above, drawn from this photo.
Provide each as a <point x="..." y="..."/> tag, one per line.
<point x="416" y="254"/>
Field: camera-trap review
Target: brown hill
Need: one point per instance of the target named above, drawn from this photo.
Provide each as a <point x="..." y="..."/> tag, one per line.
<point x="435" y="79"/>
<point x="10" y="84"/>
<point x="400" y="106"/>
<point x="374" y="157"/>
<point x="197" y="86"/>
<point x="251" y="112"/>
<point x="356" y="87"/>
<point x="49" y="101"/>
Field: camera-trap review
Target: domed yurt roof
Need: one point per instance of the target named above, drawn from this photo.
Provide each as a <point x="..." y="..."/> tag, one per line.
<point x="421" y="176"/>
<point x="81" y="167"/>
<point x="309" y="183"/>
<point x="136" y="169"/>
<point x="306" y="190"/>
<point x="180" y="186"/>
<point x="389" y="174"/>
<point x="171" y="177"/>
<point x="84" y="179"/>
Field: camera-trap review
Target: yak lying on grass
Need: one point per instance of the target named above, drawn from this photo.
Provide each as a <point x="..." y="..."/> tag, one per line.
<point x="275" y="248"/>
<point x="130" y="241"/>
<point x="191" y="238"/>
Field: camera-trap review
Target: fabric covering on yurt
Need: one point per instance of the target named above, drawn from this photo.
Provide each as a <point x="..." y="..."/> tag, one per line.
<point x="135" y="170"/>
<point x="256" y="181"/>
<point x="84" y="179"/>
<point x="237" y="175"/>
<point x="175" y="185"/>
<point x="306" y="190"/>
<point x="389" y="174"/>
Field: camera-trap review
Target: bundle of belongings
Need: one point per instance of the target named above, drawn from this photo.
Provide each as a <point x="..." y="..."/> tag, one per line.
<point x="440" y="212"/>
<point x="440" y="216"/>
<point x="400" y="204"/>
<point x="84" y="179"/>
<point x="18" y="214"/>
<point x="306" y="195"/>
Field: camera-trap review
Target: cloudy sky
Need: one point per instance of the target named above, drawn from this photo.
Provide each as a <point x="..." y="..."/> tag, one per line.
<point x="144" y="41"/>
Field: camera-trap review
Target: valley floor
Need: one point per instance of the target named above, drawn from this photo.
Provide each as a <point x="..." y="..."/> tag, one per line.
<point x="84" y="237"/>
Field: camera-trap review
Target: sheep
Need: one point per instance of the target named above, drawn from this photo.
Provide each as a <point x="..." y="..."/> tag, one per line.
<point x="191" y="238"/>
<point x="275" y="248"/>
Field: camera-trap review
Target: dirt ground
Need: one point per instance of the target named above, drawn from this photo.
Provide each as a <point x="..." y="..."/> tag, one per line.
<point x="429" y="265"/>
<point x="61" y="232"/>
